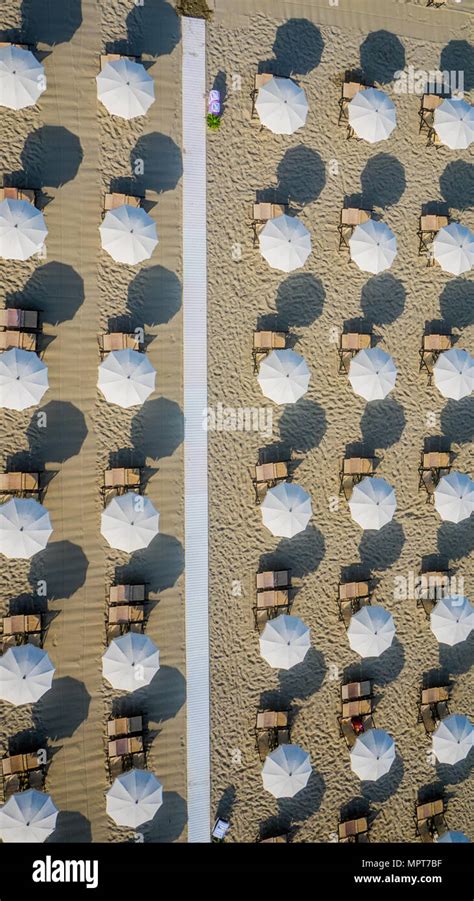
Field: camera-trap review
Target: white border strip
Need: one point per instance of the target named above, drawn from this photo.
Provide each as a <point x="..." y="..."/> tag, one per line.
<point x="195" y="437"/>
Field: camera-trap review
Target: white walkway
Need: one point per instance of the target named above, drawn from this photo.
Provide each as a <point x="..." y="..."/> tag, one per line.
<point x="195" y="437"/>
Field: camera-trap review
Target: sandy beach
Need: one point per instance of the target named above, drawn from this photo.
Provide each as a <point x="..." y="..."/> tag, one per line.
<point x="316" y="169"/>
<point x="73" y="151"/>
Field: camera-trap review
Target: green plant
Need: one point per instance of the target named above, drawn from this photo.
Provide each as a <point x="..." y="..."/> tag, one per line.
<point x="213" y="121"/>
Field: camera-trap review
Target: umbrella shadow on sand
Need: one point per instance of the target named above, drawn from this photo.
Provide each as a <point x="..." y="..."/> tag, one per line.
<point x="62" y="709"/>
<point x="304" y="804"/>
<point x="457" y="185"/>
<point x="382" y="423"/>
<point x="154" y="297"/>
<point x="381" y="549"/>
<point x="71" y="827"/>
<point x="50" y="158"/>
<point x="297" y="48"/>
<point x="157" y="430"/>
<point x="161" y="160"/>
<point x="386" y="668"/>
<point x="163" y="697"/>
<point x="56" y="432"/>
<point x="458" y="57"/>
<point x="457" y="420"/>
<point x="383" y="299"/>
<point x="302" y="425"/>
<point x="382" y="55"/>
<point x="55" y="289"/>
<point x="456" y="539"/>
<point x="301" y="176"/>
<point x="457" y="303"/>
<point x="383" y="181"/>
<point x="62" y="566"/>
<point x="299" y="302"/>
<point x="152" y="28"/>
<point x="303" y="680"/>
<point x="159" y="565"/>
<point x="302" y="554"/>
<point x="50" y="23"/>
<point x="454" y="773"/>
<point x="169" y="821"/>
<point x="458" y="659"/>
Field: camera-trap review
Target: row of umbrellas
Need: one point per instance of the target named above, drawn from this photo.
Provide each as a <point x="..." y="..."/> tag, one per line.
<point x="126" y="378"/>
<point x="123" y="86"/>
<point x="282" y="107"/>
<point x="284" y="375"/>
<point x="285" y="244"/>
<point x="286" y="508"/>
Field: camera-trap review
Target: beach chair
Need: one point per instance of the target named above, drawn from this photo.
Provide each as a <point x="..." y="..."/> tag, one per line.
<point x="264" y="342"/>
<point x="351" y="597"/>
<point x="281" y="838"/>
<point x="440" y="825"/>
<point x="425" y="814"/>
<point x="10" y="338"/>
<point x="428" y="228"/>
<point x="269" y="604"/>
<point x="267" y="475"/>
<point x="26" y="194"/>
<point x="352" y="471"/>
<point x="261" y="213"/>
<point x="128" y="594"/>
<point x="20" y="484"/>
<point x="350" y="343"/>
<point x="11" y="785"/>
<point x="352" y="726"/>
<point x="115" y="767"/>
<point x="118" y="341"/>
<point x="126" y="616"/>
<point x="272" y="728"/>
<point x="433" y="706"/>
<point x="424" y="831"/>
<point x="270" y="579"/>
<point x="349" y="218"/>
<point x="427" y="718"/>
<point x="434" y="584"/>
<point x="116" y="199"/>
<point x="351" y="86"/>
<point x="353" y="691"/>
<point x="433" y="466"/>
<point x="15" y="319"/>
<point x="432" y="346"/>
<point x="119" y="480"/>
<point x="120" y="727"/>
<point x="353" y="830"/>
<point x="25" y="627"/>
<point x="428" y="104"/>
<point x="260" y="78"/>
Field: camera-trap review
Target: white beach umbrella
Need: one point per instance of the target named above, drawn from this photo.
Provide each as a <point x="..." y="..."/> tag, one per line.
<point x="452" y="837"/>
<point x="130" y="662"/>
<point x="126" y="378"/>
<point x="452" y="619"/>
<point x="134" y="798"/>
<point x="286" y="771"/>
<point x="28" y="816"/>
<point x="26" y="674"/>
<point x="372" y="373"/>
<point x="284" y="376"/>
<point x="22" y="230"/>
<point x="372" y="503"/>
<point x="372" y="755"/>
<point x="129" y="522"/>
<point x="23" y="379"/>
<point x="282" y="106"/>
<point x="285" y="243"/>
<point x="454" y="497"/>
<point x="372" y="115"/>
<point x="453" y="248"/>
<point x="373" y="246"/>
<point x="25" y="528"/>
<point x="125" y="88"/>
<point x="22" y="78"/>
<point x="128" y="234"/>
<point x="454" y="373"/>
<point x="286" y="509"/>
<point x="454" y="123"/>
<point x="371" y="631"/>
<point x="284" y="641"/>
<point x="453" y="739"/>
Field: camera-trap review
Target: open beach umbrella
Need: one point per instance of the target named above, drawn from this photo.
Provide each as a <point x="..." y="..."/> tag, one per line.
<point x="23" y="379"/>
<point x="22" y="78"/>
<point x="128" y="234"/>
<point x="134" y="798"/>
<point x="454" y="123"/>
<point x="286" y="771"/>
<point x="452" y="837"/>
<point x="26" y="674"/>
<point x="129" y="522"/>
<point x="454" y="373"/>
<point x="453" y="739"/>
<point x="125" y="88"/>
<point x="373" y="246"/>
<point x="372" y="755"/>
<point x="22" y="230"/>
<point x="372" y="503"/>
<point x="282" y="106"/>
<point x="285" y="243"/>
<point x="453" y="248"/>
<point x="371" y="631"/>
<point x="454" y="497"/>
<point x="131" y="661"/>
<point x="372" y="373"/>
<point x="284" y="376"/>
<point x="372" y="115"/>
<point x="452" y="619"/>
<point x="126" y="378"/>
<point x="28" y="816"/>
<point x="286" y="509"/>
<point x="25" y="528"/>
<point x="284" y="641"/>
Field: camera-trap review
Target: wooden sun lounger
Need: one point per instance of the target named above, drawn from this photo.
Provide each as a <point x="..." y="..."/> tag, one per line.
<point x="18" y="194"/>
<point x="427" y="718"/>
<point x="118" y="341"/>
<point x="360" y="707"/>
<point x="270" y="603"/>
<point x="356" y="690"/>
<point x="13" y="318"/>
<point x="22" y="624"/>
<point x="349" y="90"/>
<point x="127" y="594"/>
<point x="271" y="729"/>
<point x="430" y="820"/>
<point x="260" y="78"/>
<point x="434" y="585"/>
<point x="126" y="613"/>
<point x="350" y="217"/>
<point x="264" y="342"/>
<point x="121" y="479"/>
<point x="120" y="747"/>
<point x="124" y="726"/>
<point x="273" y="579"/>
<point x="352" y="596"/>
<point x="431" y="347"/>
<point x="429" y="809"/>
<point x="13" y="338"/>
<point x="267" y="475"/>
<point x="350" y="343"/>
<point x="351" y="830"/>
<point x="347" y="731"/>
<point x="433" y="466"/>
<point x="261" y="213"/>
<point x="274" y="839"/>
<point x="352" y="471"/>
<point x="428" y="104"/>
<point x="429" y="227"/>
<point x="435" y="695"/>
<point x="20" y="763"/>
<point x="21" y="484"/>
<point x="115" y="199"/>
